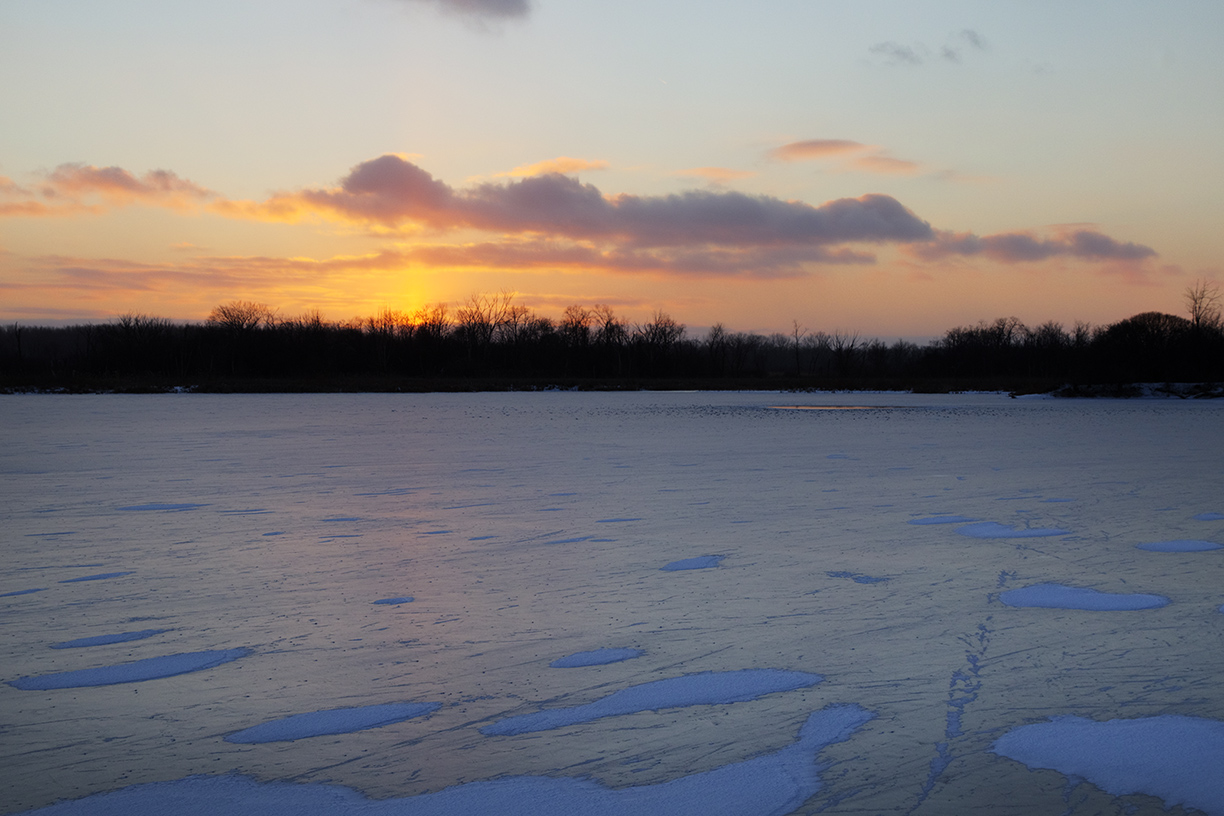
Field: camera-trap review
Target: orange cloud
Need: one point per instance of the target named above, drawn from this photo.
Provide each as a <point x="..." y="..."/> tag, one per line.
<point x="887" y="165"/>
<point x="875" y="161"/>
<point x="77" y="188"/>
<point x="815" y="149"/>
<point x="717" y="175"/>
<point x="562" y="164"/>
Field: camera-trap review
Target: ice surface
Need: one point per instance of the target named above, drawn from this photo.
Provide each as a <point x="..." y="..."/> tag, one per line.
<point x="102" y="576"/>
<point x="151" y="668"/>
<point x="947" y="667"/>
<point x="942" y="520"/>
<point x="1180" y="545"/>
<point x="332" y="721"/>
<point x="1057" y="596"/>
<point x="709" y="688"/>
<point x="1174" y="757"/>
<point x="106" y="640"/>
<point x="596" y="657"/>
<point x="769" y="785"/>
<point x="991" y="529"/>
<point x="698" y="562"/>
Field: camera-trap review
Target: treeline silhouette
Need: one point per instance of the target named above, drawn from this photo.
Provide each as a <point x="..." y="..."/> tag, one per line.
<point x="491" y="342"/>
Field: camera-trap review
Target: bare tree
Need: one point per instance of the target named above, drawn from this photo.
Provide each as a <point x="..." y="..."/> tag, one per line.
<point x="242" y="315"/>
<point x="797" y="335"/>
<point x="1203" y="302"/>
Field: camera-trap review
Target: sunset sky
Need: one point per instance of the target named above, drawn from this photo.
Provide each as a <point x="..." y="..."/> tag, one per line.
<point x="890" y="168"/>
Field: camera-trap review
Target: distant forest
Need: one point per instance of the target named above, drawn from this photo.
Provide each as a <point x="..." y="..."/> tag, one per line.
<point x="492" y="343"/>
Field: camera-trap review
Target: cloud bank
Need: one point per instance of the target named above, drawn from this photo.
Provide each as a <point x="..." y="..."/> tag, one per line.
<point x="391" y="191"/>
<point x="540" y="219"/>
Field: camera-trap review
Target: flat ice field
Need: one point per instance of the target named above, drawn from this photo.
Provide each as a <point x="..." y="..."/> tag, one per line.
<point x="557" y="603"/>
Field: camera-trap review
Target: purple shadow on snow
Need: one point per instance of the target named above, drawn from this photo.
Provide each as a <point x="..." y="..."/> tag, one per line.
<point x="144" y="508"/>
<point x="22" y="592"/>
<point x="857" y="577"/>
<point x="992" y="529"/>
<point x="1180" y="545"/>
<point x="596" y="657"/>
<point x="766" y="785"/>
<point x="102" y="576"/>
<point x="151" y="668"/>
<point x="700" y="562"/>
<point x="708" y="688"/>
<point x="1173" y="757"/>
<point x="332" y="721"/>
<point x="941" y="520"/>
<point x="1057" y="596"/>
<point x="106" y="640"/>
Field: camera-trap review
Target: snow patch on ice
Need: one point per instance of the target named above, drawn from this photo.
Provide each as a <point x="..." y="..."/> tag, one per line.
<point x="1180" y="545"/>
<point x="596" y="657"/>
<point x="106" y="640"/>
<point x="148" y="669"/>
<point x="331" y="721"/>
<point x="1173" y="757"/>
<point x="708" y="688"/>
<point x="768" y="785"/>
<point x="700" y="562"/>
<point x="992" y="529"/>
<point x="1057" y="596"/>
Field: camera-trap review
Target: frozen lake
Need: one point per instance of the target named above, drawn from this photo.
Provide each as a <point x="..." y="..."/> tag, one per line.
<point x="611" y="603"/>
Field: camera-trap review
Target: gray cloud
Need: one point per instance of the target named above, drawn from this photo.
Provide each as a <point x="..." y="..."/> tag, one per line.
<point x="953" y="50"/>
<point x="494" y="9"/>
<point x="1019" y="247"/>
<point x="390" y="190"/>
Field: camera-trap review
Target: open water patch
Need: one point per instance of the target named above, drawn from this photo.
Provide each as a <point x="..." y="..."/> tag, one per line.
<point x="1180" y="545"/>
<point x="106" y="640"/>
<point x="1209" y="517"/>
<point x="22" y="592"/>
<point x="151" y="668"/>
<point x="394" y="601"/>
<point x="595" y="657"/>
<point x="708" y="688"/>
<point x="699" y="562"/>
<point x="992" y="529"/>
<point x="1173" y="757"/>
<point x="331" y="721"/>
<point x="1058" y="596"/>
